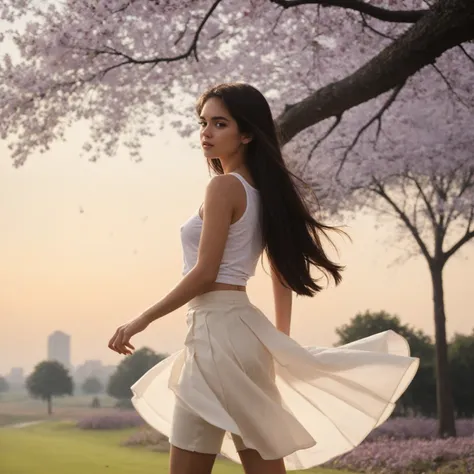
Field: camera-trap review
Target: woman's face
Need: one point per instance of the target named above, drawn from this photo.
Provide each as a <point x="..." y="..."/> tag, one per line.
<point x="220" y="135"/>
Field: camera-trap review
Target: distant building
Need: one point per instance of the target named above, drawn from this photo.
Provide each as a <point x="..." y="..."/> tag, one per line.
<point x="16" y="377"/>
<point x="59" y="348"/>
<point x="93" y="368"/>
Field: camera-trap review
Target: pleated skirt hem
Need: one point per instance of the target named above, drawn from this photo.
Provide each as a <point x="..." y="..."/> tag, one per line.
<point x="303" y="404"/>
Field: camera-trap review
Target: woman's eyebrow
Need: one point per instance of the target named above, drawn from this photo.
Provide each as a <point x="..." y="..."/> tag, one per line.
<point x="215" y="118"/>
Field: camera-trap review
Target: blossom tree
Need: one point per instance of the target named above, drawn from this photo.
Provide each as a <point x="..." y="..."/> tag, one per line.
<point x="117" y="63"/>
<point x="418" y="170"/>
<point x="326" y="65"/>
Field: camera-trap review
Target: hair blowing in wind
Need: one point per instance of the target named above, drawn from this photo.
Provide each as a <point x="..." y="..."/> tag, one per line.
<point x="291" y="235"/>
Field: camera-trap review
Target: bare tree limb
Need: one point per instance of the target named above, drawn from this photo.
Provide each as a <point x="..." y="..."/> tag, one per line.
<point x="277" y="21"/>
<point x="121" y="9"/>
<point x="463" y="49"/>
<point x="182" y="33"/>
<point x="379" y="189"/>
<point x="366" y="24"/>
<point x="377" y="117"/>
<point x="395" y="16"/>
<point x="328" y="132"/>
<point x="465" y="238"/>
<point x="467" y="182"/>
<point x="103" y="72"/>
<point x="448" y="84"/>
<point x="446" y="25"/>
<point x="405" y="197"/>
<point x="415" y="211"/>
<point x="156" y="60"/>
<point x="426" y="200"/>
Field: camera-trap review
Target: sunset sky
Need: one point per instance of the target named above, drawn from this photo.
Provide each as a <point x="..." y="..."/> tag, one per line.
<point x="87" y="246"/>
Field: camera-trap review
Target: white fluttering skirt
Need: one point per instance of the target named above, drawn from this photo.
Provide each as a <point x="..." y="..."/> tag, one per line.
<point x="304" y="404"/>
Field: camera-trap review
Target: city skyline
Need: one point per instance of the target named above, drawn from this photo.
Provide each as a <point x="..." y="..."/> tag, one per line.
<point x="58" y="349"/>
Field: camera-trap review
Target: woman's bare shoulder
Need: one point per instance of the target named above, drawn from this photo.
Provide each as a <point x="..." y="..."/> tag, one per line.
<point x="226" y="184"/>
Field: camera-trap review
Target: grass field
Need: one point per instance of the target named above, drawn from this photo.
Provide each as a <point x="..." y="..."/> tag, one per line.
<point x="59" y="448"/>
<point x="19" y="407"/>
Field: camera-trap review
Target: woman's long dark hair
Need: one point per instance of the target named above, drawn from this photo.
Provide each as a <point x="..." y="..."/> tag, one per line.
<point x="291" y="235"/>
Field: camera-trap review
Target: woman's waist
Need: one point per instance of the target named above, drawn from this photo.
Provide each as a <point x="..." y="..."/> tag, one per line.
<point x="223" y="286"/>
<point x="219" y="299"/>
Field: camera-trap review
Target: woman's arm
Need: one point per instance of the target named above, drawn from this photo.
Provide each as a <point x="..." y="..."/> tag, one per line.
<point x="218" y="210"/>
<point x="283" y="300"/>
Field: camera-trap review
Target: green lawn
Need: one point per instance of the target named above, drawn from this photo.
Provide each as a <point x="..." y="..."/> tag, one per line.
<point x="59" y="448"/>
<point x="76" y="400"/>
<point x="13" y="418"/>
<point x="19" y="407"/>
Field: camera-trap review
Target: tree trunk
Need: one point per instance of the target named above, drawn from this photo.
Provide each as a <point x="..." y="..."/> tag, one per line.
<point x="50" y="405"/>
<point x="444" y="396"/>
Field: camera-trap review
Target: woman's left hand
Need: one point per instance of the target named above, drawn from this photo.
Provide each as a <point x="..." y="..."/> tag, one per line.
<point x="120" y="341"/>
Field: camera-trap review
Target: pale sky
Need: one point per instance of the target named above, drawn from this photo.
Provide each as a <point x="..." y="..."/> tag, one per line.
<point x="87" y="246"/>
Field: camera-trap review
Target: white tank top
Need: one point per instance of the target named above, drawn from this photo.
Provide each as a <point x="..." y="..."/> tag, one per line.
<point x="244" y="242"/>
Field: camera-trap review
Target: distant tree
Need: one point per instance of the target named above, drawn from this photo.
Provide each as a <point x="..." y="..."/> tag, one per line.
<point x="49" y="379"/>
<point x="92" y="386"/>
<point x="4" y="387"/>
<point x="461" y="355"/>
<point x="420" y="397"/>
<point x="369" y="323"/>
<point x="130" y="370"/>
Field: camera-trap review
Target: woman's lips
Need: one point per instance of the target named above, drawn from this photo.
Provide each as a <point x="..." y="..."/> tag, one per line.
<point x="207" y="145"/>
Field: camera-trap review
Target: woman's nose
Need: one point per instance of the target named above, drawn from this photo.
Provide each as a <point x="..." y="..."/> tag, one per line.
<point x="206" y="132"/>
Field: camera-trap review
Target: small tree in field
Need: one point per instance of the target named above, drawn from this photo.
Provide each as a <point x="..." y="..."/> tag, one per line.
<point x="49" y="379"/>
<point x="129" y="371"/>
<point x="92" y="386"/>
<point x="461" y="356"/>
<point x="4" y="387"/>
<point x="420" y="397"/>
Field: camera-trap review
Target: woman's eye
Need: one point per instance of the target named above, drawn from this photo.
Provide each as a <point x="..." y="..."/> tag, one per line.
<point x="218" y="124"/>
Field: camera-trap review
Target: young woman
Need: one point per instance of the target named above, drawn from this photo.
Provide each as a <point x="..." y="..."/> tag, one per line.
<point x="241" y="386"/>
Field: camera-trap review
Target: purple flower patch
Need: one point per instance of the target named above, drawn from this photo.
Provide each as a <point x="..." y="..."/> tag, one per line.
<point x="410" y="446"/>
<point x="112" y="421"/>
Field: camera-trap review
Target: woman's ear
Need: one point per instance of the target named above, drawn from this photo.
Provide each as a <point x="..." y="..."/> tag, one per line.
<point x="246" y="139"/>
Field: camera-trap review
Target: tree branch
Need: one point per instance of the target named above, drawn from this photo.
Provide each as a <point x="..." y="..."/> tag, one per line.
<point x="156" y="60"/>
<point x="377" y="117"/>
<point x="465" y="238"/>
<point x="366" y="24"/>
<point x="277" y="21"/>
<point x="466" y="183"/>
<point x="448" y="84"/>
<point x="415" y="211"/>
<point x="395" y="16"/>
<point x="121" y="9"/>
<point x="425" y="200"/>
<point x="182" y="33"/>
<point x="379" y="189"/>
<point x="463" y="49"/>
<point x="449" y="23"/>
<point x="328" y="132"/>
<point x="103" y="72"/>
